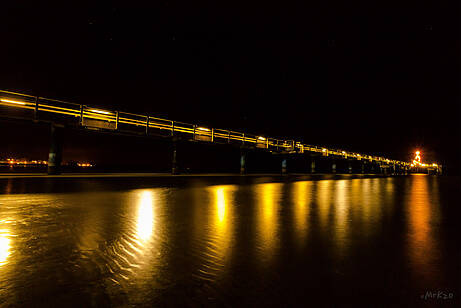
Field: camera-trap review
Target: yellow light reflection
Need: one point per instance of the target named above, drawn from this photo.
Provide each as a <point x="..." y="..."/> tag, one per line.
<point x="221" y="203"/>
<point x="301" y="209"/>
<point x="5" y="246"/>
<point x="324" y="201"/>
<point x="216" y="226"/>
<point x="419" y="219"/>
<point x="342" y="207"/>
<point x="267" y="217"/>
<point x="221" y="219"/>
<point x="145" y="221"/>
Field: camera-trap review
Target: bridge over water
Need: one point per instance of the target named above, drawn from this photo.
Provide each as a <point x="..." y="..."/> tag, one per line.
<point x="62" y="114"/>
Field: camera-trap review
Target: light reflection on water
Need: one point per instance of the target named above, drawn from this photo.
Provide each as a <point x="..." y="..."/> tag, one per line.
<point x="422" y="207"/>
<point x="126" y="247"/>
<point x="145" y="221"/>
<point x="5" y="242"/>
<point x="302" y="201"/>
<point x="267" y="219"/>
<point x="215" y="232"/>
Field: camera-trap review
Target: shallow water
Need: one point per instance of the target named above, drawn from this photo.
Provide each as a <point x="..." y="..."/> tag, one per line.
<point x="257" y="242"/>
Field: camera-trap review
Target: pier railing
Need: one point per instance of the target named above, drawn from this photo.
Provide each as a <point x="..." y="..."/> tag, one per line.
<point x="18" y="105"/>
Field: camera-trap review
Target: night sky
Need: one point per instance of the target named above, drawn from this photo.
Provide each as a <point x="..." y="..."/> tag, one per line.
<point x="378" y="78"/>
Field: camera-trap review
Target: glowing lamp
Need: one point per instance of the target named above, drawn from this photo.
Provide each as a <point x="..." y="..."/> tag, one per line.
<point x="11" y="101"/>
<point x="99" y="111"/>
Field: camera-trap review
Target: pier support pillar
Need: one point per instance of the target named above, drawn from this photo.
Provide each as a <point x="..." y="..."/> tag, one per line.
<point x="312" y="166"/>
<point x="55" y="154"/>
<point x="363" y="168"/>
<point x="350" y="167"/>
<point x="284" y="165"/>
<point x="242" y="162"/>
<point x="174" y="164"/>
<point x="333" y="167"/>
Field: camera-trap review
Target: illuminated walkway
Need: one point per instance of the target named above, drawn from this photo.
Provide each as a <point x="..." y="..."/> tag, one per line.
<point x="59" y="113"/>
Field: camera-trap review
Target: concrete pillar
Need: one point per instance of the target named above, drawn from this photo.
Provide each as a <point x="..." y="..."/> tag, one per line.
<point x="55" y="154"/>
<point x="174" y="165"/>
<point x="350" y="167"/>
<point x="242" y="162"/>
<point x="284" y="165"/>
<point x="312" y="166"/>
<point x="333" y="167"/>
<point x="363" y="168"/>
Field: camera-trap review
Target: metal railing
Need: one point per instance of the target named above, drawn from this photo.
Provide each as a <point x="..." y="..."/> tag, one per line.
<point x="97" y="118"/>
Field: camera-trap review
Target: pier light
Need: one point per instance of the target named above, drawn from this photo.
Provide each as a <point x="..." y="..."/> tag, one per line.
<point x="417" y="159"/>
<point x="203" y="129"/>
<point x="261" y="138"/>
<point x="9" y="101"/>
<point x="343" y="152"/>
<point x="324" y="150"/>
<point x="434" y="165"/>
<point x="100" y="111"/>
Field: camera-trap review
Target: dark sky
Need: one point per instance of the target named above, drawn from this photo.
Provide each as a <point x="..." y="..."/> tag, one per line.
<point x="376" y="78"/>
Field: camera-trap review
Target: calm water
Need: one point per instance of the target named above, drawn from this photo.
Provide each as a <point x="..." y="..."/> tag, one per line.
<point x="253" y="242"/>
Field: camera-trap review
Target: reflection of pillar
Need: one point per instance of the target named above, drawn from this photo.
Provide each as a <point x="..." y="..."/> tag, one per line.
<point x="350" y="167"/>
<point x="55" y="154"/>
<point x="174" y="166"/>
<point x="333" y="167"/>
<point x="242" y="162"/>
<point x="312" y="165"/>
<point x="284" y="165"/>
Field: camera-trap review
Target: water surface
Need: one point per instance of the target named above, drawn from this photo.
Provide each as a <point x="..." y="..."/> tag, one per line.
<point x="258" y="242"/>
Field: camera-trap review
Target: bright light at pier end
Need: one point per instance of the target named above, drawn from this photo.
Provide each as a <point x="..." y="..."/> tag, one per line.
<point x="417" y="159"/>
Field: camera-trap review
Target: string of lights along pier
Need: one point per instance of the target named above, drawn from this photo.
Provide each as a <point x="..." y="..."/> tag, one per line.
<point x="35" y="108"/>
